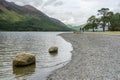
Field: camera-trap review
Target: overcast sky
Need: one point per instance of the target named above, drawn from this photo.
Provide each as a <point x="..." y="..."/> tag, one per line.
<point x="74" y="12"/>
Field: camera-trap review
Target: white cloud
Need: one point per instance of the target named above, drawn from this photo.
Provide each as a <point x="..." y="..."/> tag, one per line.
<point x="71" y="20"/>
<point x="71" y="11"/>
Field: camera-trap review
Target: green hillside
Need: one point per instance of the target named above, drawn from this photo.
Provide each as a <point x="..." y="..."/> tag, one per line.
<point x="26" y="18"/>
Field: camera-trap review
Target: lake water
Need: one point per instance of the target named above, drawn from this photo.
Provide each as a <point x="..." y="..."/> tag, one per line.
<point x="36" y="43"/>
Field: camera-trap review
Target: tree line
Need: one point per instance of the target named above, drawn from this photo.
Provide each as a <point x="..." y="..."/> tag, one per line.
<point x="105" y="17"/>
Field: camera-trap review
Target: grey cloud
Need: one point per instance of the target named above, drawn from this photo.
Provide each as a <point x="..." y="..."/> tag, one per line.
<point x="119" y="4"/>
<point x="38" y="2"/>
<point x="58" y="3"/>
<point x="49" y="2"/>
<point x="24" y="2"/>
<point x="53" y="3"/>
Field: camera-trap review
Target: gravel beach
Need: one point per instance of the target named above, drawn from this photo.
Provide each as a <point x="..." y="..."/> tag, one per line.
<point x="94" y="57"/>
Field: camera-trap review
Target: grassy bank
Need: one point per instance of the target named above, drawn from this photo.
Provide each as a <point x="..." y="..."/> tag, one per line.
<point x="108" y="32"/>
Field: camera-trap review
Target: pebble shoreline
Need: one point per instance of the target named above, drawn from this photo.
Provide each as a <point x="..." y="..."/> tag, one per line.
<point x="94" y="57"/>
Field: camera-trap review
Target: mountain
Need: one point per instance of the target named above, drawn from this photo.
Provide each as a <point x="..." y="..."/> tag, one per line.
<point x="76" y="28"/>
<point x="27" y="18"/>
<point x="30" y="7"/>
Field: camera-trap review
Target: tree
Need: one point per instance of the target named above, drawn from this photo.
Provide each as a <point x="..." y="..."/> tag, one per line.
<point x="115" y="22"/>
<point x="109" y="16"/>
<point x="92" y="22"/>
<point x="104" y="13"/>
<point x="87" y="26"/>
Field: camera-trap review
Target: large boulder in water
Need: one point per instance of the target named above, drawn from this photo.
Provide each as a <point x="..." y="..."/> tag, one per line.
<point x="24" y="59"/>
<point x="53" y="49"/>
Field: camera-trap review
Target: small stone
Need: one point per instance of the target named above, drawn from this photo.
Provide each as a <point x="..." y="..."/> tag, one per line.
<point x="53" y="49"/>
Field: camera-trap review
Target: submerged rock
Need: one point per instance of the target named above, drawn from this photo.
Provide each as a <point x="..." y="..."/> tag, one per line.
<point x="24" y="59"/>
<point x="53" y="49"/>
<point x="24" y="70"/>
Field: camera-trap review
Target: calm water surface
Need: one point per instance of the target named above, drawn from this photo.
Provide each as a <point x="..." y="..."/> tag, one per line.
<point x="36" y="43"/>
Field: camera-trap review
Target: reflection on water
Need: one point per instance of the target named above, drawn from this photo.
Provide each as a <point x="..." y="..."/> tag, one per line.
<point x="53" y="54"/>
<point x="36" y="43"/>
<point x="21" y="71"/>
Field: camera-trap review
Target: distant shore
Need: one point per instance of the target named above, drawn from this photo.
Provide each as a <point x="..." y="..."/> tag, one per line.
<point x="94" y="57"/>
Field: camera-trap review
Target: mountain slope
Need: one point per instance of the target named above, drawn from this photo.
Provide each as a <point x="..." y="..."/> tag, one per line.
<point x="76" y="28"/>
<point x="23" y="18"/>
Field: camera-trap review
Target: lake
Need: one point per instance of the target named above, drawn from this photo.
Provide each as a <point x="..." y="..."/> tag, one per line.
<point x="36" y="43"/>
